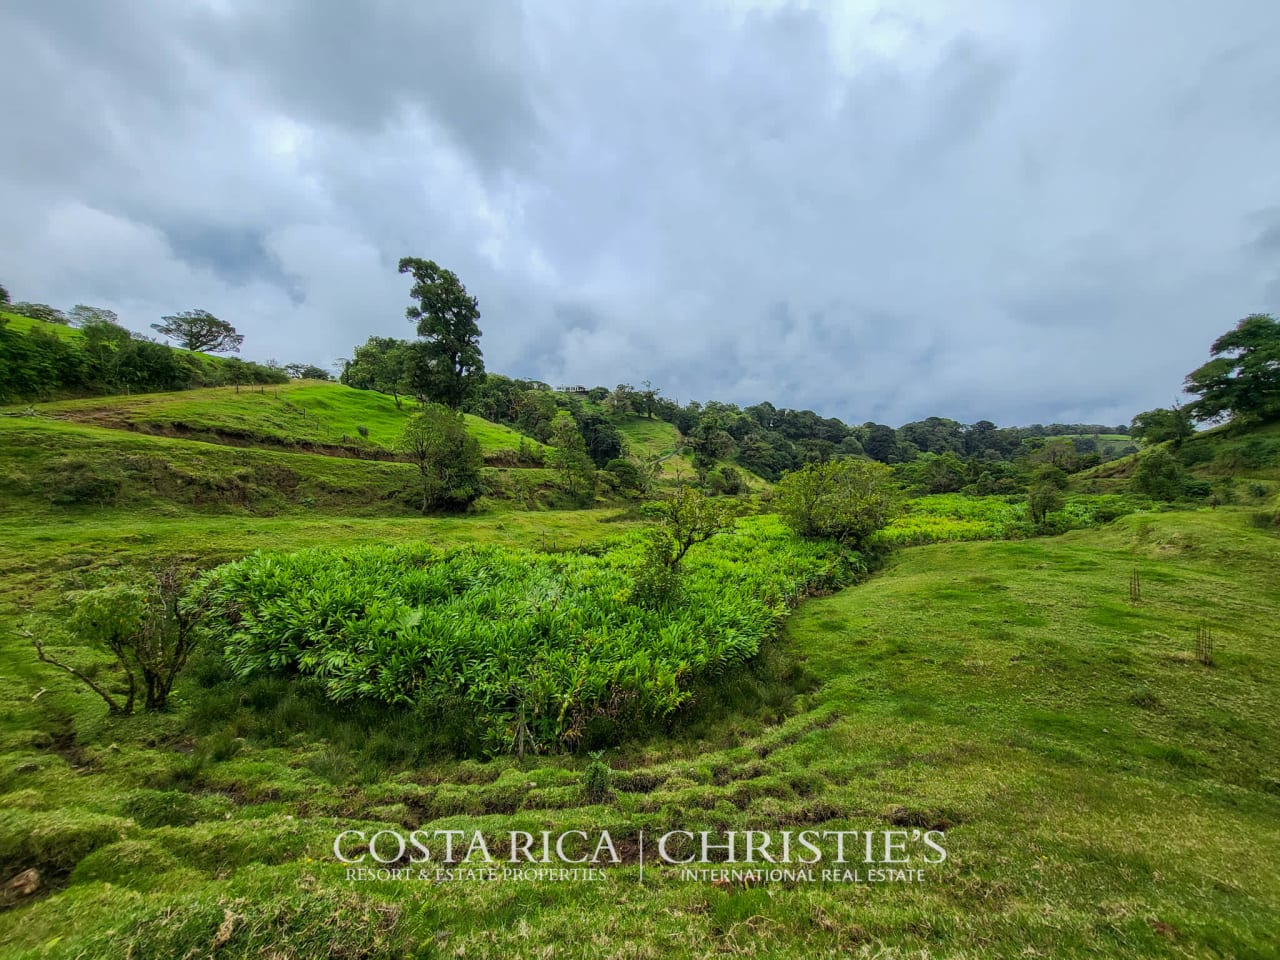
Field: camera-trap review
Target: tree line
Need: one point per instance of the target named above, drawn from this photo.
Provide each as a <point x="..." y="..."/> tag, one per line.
<point x="106" y="358"/>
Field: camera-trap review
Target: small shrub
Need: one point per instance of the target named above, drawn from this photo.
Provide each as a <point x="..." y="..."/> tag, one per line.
<point x="846" y="500"/>
<point x="1191" y="454"/>
<point x="530" y="455"/>
<point x="597" y="779"/>
<point x="363" y="431"/>
<point x="655" y="582"/>
<point x="149" y="630"/>
<point x="1044" y="498"/>
<point x="447" y="457"/>
<point x="1195" y="489"/>
<point x="725" y="480"/>
<point x="627" y="474"/>
<point x="1160" y="476"/>
<point x="652" y="510"/>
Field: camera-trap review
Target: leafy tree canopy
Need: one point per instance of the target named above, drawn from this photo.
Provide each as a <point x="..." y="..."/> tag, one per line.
<point x="1160" y="476"/>
<point x="200" y="330"/>
<point x="307" y="371"/>
<point x="1161" y="424"/>
<point x="82" y="314"/>
<point x="446" y="316"/>
<point x="570" y="458"/>
<point x="38" y="311"/>
<point x="1242" y="381"/>
<point x="846" y="500"/>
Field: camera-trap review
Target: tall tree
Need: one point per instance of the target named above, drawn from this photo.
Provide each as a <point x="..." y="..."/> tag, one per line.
<point x="446" y="316"/>
<point x="382" y="364"/>
<point x="200" y="330"/>
<point x="881" y="442"/>
<point x="1242" y="381"/>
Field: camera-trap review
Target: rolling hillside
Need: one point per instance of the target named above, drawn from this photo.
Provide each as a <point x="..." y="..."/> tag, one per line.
<point x="1088" y="768"/>
<point x="259" y="450"/>
<point x="298" y="415"/>
<point x="1245" y="456"/>
<point x="211" y="368"/>
<point x="20" y="324"/>
<point x="649" y="438"/>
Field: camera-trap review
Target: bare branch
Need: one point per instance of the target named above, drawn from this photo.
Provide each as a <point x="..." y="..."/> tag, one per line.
<point x="45" y="658"/>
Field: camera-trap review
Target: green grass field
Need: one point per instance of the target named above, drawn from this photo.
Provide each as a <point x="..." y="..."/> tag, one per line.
<point x="20" y="324"/>
<point x="1103" y="793"/>
<point x="648" y="438"/>
<point x="299" y="414"/>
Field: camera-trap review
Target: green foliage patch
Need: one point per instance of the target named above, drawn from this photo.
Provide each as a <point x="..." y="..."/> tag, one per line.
<point x="954" y="517"/>
<point x="529" y="647"/>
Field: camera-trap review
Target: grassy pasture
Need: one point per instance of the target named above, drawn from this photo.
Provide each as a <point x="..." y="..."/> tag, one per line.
<point x="20" y="324"/>
<point x="648" y="438"/>
<point x="1103" y="794"/>
<point x="1243" y="455"/>
<point x="52" y="468"/>
<point x="292" y="415"/>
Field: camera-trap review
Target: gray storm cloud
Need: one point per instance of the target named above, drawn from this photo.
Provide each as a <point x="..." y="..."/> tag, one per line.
<point x="1021" y="212"/>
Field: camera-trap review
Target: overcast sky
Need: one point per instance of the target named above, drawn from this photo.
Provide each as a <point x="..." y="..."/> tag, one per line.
<point x="1026" y="212"/>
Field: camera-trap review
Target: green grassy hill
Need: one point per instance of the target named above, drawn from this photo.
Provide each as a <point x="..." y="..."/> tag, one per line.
<point x="299" y="414"/>
<point x="1250" y="453"/>
<point x="648" y="439"/>
<point x="269" y="450"/>
<point x="20" y="324"/>
<point x="1245" y="459"/>
<point x="1102" y="792"/>
<point x="210" y="366"/>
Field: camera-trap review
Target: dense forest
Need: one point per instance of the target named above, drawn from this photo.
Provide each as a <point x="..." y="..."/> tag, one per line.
<point x="937" y="454"/>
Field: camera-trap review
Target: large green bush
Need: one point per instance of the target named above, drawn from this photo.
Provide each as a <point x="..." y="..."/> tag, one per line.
<point x="1160" y="476"/>
<point x="846" y="500"/>
<point x="525" y="648"/>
